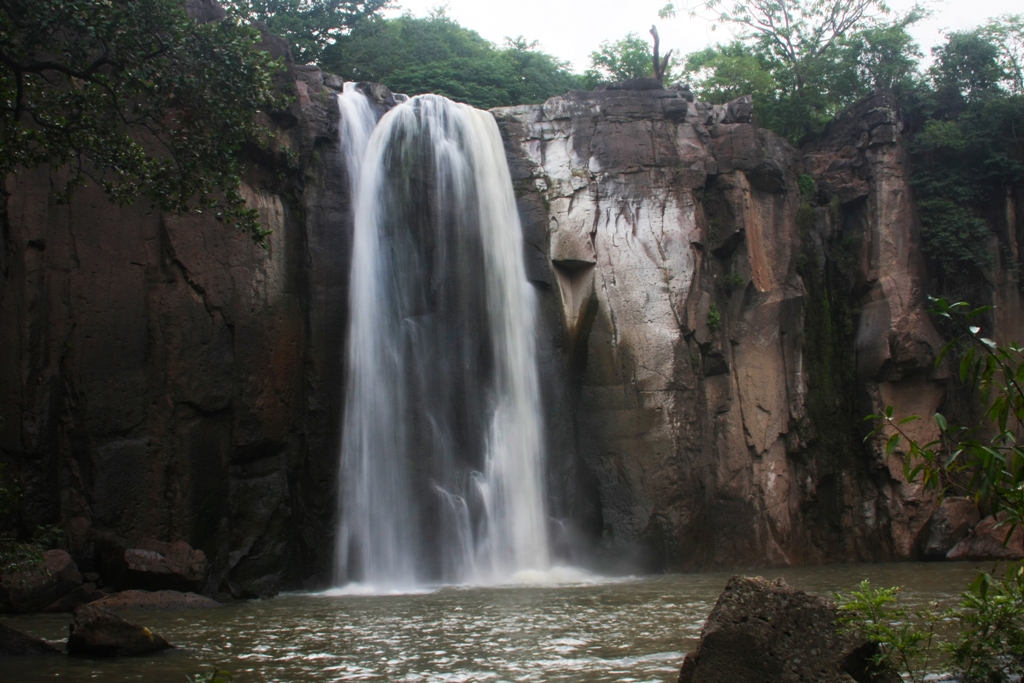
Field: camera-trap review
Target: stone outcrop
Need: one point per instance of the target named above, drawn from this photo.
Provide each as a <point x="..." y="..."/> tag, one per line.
<point x="151" y="564"/>
<point x="14" y="643"/>
<point x="82" y="595"/>
<point x="766" y="631"/>
<point x="722" y="362"/>
<point x="990" y="540"/>
<point x="38" y="586"/>
<point x="97" y="632"/>
<point x="950" y="524"/>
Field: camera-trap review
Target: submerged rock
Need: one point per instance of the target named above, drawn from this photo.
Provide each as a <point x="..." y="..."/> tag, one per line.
<point x="764" y="630"/>
<point x="137" y="599"/>
<point x="98" y="632"/>
<point x="14" y="643"/>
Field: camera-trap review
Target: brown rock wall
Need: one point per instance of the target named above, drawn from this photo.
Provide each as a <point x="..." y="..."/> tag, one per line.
<point x="163" y="377"/>
<point x="712" y="413"/>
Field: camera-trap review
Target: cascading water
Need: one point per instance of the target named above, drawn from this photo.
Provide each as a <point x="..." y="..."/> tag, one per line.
<point x="442" y="461"/>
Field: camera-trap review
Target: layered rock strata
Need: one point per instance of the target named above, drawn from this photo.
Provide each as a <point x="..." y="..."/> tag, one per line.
<point x="163" y="377"/>
<point x="728" y="330"/>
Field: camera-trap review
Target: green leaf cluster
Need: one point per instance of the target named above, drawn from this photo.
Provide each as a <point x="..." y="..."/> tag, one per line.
<point x="986" y="462"/>
<point x="625" y="59"/>
<point x="991" y="459"/>
<point x="308" y="25"/>
<point x="218" y="675"/>
<point x="979" y="640"/>
<point x="136" y="96"/>
<point x="963" y="120"/>
<point x="906" y="638"/>
<point x="804" y="61"/>
<point x="435" y="54"/>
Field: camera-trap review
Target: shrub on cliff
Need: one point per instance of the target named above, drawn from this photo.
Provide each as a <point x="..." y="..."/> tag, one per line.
<point x="134" y="95"/>
<point x="963" y="121"/>
<point x="435" y="54"/>
<point x="803" y="61"/>
<point x="308" y="25"/>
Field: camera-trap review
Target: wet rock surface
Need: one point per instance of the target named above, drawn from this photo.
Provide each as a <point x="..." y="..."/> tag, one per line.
<point x="164" y="566"/>
<point x="990" y="540"/>
<point x="163" y="377"/>
<point x="97" y="632"/>
<point x="154" y="600"/>
<point x="36" y="587"/>
<point x="14" y="643"/>
<point x="766" y="631"/>
<point x="721" y="386"/>
<point x="950" y="524"/>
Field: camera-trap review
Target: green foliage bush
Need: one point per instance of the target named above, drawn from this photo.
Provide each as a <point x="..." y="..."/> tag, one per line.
<point x="624" y="59"/>
<point x="18" y="555"/>
<point x="218" y="675"/>
<point x="135" y="96"/>
<point x="714" y="318"/>
<point x="987" y="644"/>
<point x="980" y="640"/>
<point x="308" y="25"/>
<point x="435" y="54"/>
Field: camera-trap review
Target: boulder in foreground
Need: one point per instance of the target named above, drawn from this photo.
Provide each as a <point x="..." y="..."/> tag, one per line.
<point x="764" y="630"/>
<point x="100" y="633"/>
<point x="14" y="643"/>
<point x="38" y="586"/>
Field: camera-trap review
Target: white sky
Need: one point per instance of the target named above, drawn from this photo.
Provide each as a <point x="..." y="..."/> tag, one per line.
<point x="572" y="29"/>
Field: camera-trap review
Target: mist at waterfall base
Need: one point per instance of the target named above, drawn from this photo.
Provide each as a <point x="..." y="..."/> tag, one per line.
<point x="442" y="464"/>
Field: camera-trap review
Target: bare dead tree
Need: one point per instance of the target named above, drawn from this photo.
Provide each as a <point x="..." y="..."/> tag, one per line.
<point x="660" y="65"/>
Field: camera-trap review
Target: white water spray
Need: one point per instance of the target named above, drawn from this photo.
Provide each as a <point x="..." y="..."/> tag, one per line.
<point x="442" y="459"/>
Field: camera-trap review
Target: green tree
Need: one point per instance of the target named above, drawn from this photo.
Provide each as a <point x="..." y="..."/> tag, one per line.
<point x="135" y="95"/>
<point x="308" y="25"/>
<point x="623" y="60"/>
<point x="1007" y="34"/>
<point x="804" y="61"/>
<point x="435" y="54"/>
<point x="724" y="72"/>
<point x="963" y="126"/>
<point x="966" y="68"/>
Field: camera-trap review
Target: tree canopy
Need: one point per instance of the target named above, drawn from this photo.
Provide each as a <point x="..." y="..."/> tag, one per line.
<point x="435" y="54"/>
<point x="622" y="60"/>
<point x="804" y="61"/>
<point x="135" y="95"/>
<point x="308" y="25"/>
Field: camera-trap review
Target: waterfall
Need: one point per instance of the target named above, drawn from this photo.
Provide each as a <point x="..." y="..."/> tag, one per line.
<point x="441" y="473"/>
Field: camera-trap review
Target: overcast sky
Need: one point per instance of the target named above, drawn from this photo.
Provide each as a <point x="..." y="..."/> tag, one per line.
<point x="572" y="29"/>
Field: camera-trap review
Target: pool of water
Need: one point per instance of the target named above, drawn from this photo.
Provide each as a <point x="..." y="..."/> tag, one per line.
<point x="598" y="630"/>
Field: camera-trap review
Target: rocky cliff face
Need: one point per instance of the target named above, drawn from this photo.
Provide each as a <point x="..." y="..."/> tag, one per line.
<point x="726" y="334"/>
<point x="718" y="312"/>
<point x="163" y="377"/>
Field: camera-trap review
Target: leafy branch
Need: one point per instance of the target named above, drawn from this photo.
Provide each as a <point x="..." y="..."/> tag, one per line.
<point x="994" y="465"/>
